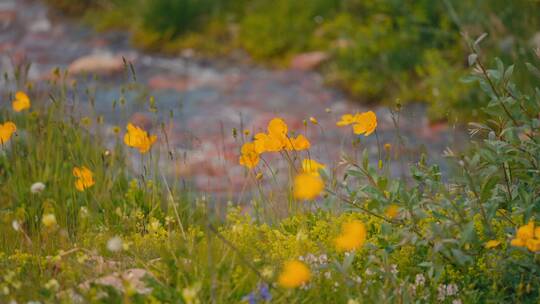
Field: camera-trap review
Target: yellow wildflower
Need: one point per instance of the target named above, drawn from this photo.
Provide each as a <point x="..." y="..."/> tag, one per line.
<point x="294" y="274"/>
<point x="523" y="234"/>
<point x="366" y="123"/>
<point x="307" y="186"/>
<point x="526" y="232"/>
<point x="299" y="143"/>
<point x="138" y="138"/>
<point x="518" y="242"/>
<point x="346" y="119"/>
<point x="311" y="166"/>
<point x="6" y="130"/>
<point x="21" y="102"/>
<point x="492" y="244"/>
<point x="313" y="120"/>
<point x="85" y="178"/>
<point x="353" y="236"/>
<point x="533" y="245"/>
<point x="249" y="157"/>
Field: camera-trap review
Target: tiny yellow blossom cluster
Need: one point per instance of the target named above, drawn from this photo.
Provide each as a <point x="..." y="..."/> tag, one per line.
<point x="527" y="236"/>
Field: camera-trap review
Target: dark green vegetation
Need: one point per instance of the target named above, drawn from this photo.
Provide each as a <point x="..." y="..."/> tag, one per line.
<point x="379" y="50"/>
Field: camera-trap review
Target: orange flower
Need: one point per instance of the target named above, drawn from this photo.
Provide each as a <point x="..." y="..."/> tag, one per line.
<point x="250" y="156"/>
<point x="21" y="102"/>
<point x="366" y="123"/>
<point x="353" y="236"/>
<point x="6" y="130"/>
<point x="533" y="244"/>
<point x="138" y="138"/>
<point x="294" y="274"/>
<point x="276" y="139"/>
<point x="526" y="237"/>
<point x="299" y="143"/>
<point x="85" y="178"/>
<point x="307" y="186"/>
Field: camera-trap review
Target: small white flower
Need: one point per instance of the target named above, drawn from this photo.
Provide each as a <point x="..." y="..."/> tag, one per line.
<point x="420" y="280"/>
<point x="456" y="301"/>
<point x="37" y="187"/>
<point x="393" y="269"/>
<point x="114" y="244"/>
<point x="16" y="226"/>
<point x="452" y="289"/>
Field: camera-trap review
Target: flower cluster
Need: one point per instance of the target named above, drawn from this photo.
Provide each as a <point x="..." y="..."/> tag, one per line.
<point x="363" y="123"/>
<point x="275" y="140"/>
<point x="528" y="236"/>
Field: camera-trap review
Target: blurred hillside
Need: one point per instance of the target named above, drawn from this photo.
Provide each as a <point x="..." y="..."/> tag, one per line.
<point x="377" y="51"/>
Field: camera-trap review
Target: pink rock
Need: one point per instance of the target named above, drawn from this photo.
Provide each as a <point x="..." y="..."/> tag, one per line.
<point x="160" y="82"/>
<point x="103" y="64"/>
<point x="141" y="120"/>
<point x="116" y="280"/>
<point x="309" y="61"/>
<point x="8" y="14"/>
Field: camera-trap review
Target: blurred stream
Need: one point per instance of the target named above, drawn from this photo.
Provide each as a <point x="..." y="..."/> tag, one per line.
<point x="200" y="101"/>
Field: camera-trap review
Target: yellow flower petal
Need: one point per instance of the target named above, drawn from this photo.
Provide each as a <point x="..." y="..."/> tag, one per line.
<point x="138" y="138"/>
<point x="526" y="232"/>
<point x="85" y="178"/>
<point x="299" y="143"/>
<point x="307" y="186"/>
<point x="346" y="120"/>
<point x="277" y="127"/>
<point x="492" y="244"/>
<point x="366" y="123"/>
<point x="311" y="166"/>
<point x="6" y="130"/>
<point x="517" y="242"/>
<point x="250" y="156"/>
<point x="533" y="245"/>
<point x="21" y="102"/>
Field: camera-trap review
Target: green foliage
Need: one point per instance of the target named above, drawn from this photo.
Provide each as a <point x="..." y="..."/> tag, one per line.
<point x="433" y="250"/>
